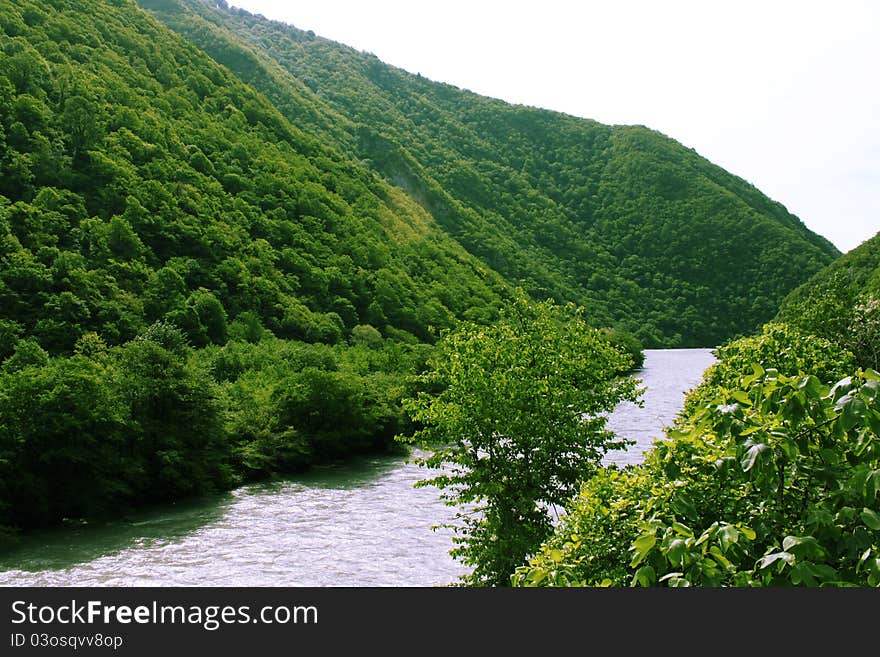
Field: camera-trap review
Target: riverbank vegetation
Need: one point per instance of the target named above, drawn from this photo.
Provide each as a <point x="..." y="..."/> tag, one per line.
<point x="514" y="417"/>
<point x="107" y="429"/>
<point x="770" y="476"/>
<point x="110" y="428"/>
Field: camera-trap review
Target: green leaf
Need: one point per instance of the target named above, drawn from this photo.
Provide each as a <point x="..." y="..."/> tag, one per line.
<point x="641" y="546"/>
<point x="829" y="455"/>
<point x="811" y="385"/>
<point x="822" y="571"/>
<point x="852" y="412"/>
<point x="644" y="543"/>
<point x="871" y="519"/>
<point x="679" y="582"/>
<point x="719" y="557"/>
<point x="748" y="532"/>
<point x="741" y="397"/>
<point x="800" y="545"/>
<point x="841" y="387"/>
<point x="727" y="534"/>
<point x="681" y="529"/>
<point x="676" y="551"/>
<point x="748" y="461"/>
<point x="757" y="373"/>
<point x="801" y="574"/>
<point x="537" y="575"/>
<point x="770" y="559"/>
<point x="644" y="576"/>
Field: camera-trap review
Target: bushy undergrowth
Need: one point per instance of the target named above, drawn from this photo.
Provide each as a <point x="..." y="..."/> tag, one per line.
<point x="770" y="477"/>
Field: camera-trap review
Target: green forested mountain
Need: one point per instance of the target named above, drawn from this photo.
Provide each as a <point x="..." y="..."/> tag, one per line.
<point x="842" y="303"/>
<point x="140" y="180"/>
<point x="643" y="231"/>
<point x="150" y="203"/>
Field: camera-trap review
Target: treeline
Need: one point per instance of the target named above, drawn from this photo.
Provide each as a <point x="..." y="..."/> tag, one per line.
<point x="647" y="234"/>
<point x="109" y="428"/>
<point x="193" y="291"/>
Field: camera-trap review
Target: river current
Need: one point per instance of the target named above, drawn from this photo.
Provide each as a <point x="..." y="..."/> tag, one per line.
<point x="358" y="523"/>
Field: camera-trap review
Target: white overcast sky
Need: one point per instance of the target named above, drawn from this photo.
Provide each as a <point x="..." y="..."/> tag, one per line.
<point x="784" y="94"/>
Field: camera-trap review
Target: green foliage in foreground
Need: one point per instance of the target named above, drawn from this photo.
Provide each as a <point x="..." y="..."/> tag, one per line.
<point x="515" y="413"/>
<point x="767" y="479"/>
<point x="778" y="346"/>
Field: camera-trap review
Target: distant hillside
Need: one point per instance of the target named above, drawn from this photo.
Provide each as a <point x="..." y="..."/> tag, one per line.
<point x="649" y="235"/>
<point x="842" y="303"/>
<point x="140" y="180"/>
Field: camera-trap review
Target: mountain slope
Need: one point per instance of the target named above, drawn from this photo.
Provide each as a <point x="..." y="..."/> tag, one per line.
<point x="842" y="303"/>
<point x="140" y="180"/>
<point x="645" y="232"/>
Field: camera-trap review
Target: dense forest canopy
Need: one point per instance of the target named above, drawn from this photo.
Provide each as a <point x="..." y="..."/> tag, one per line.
<point x="650" y="236"/>
<point x="262" y="172"/>
<point x="140" y="180"/>
<point x="194" y="292"/>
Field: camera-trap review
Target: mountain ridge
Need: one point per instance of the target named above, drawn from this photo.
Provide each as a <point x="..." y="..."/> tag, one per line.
<point x="536" y="186"/>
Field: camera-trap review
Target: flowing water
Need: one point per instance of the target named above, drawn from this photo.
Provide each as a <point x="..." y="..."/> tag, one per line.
<point x="361" y="523"/>
<point x="666" y="376"/>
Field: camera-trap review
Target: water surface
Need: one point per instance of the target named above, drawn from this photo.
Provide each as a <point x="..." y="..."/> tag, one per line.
<point x="667" y="375"/>
<point x="361" y="523"/>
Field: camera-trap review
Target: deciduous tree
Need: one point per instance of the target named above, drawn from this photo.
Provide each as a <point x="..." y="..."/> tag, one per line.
<point x="515" y="413"/>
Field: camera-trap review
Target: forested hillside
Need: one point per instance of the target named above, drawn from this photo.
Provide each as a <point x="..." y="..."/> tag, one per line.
<point x="169" y="245"/>
<point x="643" y="231"/>
<point x="842" y="303"/>
<point x="140" y="180"/>
<point x="224" y="250"/>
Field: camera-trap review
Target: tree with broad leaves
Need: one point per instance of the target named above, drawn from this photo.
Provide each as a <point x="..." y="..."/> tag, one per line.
<point x="515" y="415"/>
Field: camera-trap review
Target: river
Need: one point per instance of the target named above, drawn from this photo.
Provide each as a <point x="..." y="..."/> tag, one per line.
<point x="360" y="523"/>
